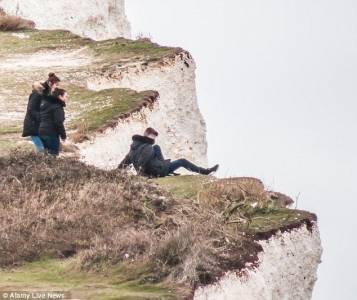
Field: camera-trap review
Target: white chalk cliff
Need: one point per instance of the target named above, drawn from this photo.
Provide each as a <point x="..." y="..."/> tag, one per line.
<point x="175" y="115"/>
<point x="287" y="265"/>
<point x="286" y="270"/>
<point x="96" y="19"/>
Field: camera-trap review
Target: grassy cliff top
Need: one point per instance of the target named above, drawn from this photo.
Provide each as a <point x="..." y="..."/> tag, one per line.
<point x="29" y="55"/>
<point x="112" y="51"/>
<point x="137" y="237"/>
<point x="254" y="209"/>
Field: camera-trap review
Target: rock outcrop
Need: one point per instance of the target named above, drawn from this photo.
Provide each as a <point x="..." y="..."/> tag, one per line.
<point x="99" y="20"/>
<point x="287" y="269"/>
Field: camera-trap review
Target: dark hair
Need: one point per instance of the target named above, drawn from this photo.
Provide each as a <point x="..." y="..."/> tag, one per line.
<point x="52" y="77"/>
<point x="58" y="93"/>
<point x="150" y="131"/>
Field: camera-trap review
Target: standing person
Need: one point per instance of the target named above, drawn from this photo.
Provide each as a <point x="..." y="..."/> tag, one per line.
<point x="148" y="159"/>
<point x="32" y="118"/>
<point x="52" y="121"/>
<point x="51" y="84"/>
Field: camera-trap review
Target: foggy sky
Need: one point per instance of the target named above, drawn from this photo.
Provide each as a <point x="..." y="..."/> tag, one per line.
<point x="276" y="85"/>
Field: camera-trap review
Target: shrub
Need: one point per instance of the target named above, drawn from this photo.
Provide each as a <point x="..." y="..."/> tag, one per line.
<point x="13" y="23"/>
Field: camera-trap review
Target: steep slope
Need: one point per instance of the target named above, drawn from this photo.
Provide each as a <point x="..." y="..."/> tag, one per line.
<point x="99" y="20"/>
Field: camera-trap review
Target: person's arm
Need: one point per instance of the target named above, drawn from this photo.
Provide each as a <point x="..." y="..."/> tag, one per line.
<point x="126" y="162"/>
<point x="58" y="119"/>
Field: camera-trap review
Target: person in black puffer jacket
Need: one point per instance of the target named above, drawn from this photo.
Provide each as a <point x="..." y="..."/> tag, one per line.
<point x="149" y="161"/>
<point x="52" y="117"/>
<point x="32" y="118"/>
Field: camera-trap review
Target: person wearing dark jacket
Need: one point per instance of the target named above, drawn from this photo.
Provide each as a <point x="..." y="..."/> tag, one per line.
<point x="32" y="118"/>
<point x="149" y="161"/>
<point x="51" y="84"/>
<point x="52" y="117"/>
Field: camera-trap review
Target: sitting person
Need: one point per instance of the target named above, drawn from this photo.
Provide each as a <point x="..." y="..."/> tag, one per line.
<point x="32" y="118"/>
<point x="148" y="160"/>
<point x="52" y="121"/>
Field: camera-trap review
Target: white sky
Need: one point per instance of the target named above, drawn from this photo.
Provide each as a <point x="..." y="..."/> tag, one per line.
<point x="277" y="86"/>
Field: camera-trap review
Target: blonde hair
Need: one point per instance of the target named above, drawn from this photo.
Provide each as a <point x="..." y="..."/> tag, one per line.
<point x="38" y="87"/>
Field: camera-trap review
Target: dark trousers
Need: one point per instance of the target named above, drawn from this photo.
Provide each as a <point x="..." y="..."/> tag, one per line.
<point x="51" y="144"/>
<point x="180" y="163"/>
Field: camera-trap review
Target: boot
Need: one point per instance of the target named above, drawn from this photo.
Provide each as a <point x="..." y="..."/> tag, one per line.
<point x="209" y="170"/>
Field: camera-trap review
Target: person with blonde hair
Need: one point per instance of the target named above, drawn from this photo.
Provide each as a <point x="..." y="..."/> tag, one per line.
<point x="32" y="118"/>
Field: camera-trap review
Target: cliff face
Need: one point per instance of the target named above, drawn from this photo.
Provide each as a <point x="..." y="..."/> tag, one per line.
<point x="287" y="269"/>
<point x="175" y="115"/>
<point x="118" y="88"/>
<point x="105" y="81"/>
<point x="95" y="19"/>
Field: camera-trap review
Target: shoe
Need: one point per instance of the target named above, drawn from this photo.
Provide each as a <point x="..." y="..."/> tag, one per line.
<point x="213" y="169"/>
<point x="210" y="170"/>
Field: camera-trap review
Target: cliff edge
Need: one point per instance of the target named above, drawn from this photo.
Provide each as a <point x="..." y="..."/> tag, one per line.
<point x="77" y="223"/>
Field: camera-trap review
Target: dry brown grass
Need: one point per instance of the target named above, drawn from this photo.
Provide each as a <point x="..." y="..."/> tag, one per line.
<point x="13" y="23"/>
<point x="81" y="134"/>
<point x="61" y="207"/>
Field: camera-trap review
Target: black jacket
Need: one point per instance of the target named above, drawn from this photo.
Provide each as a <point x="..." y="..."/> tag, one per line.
<point x="47" y="88"/>
<point x="143" y="158"/>
<point x="52" y="117"/>
<point x="32" y="118"/>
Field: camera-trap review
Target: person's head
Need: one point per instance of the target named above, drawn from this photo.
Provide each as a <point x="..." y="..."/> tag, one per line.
<point x="38" y="87"/>
<point x="151" y="133"/>
<point x="60" y="94"/>
<point x="53" y="81"/>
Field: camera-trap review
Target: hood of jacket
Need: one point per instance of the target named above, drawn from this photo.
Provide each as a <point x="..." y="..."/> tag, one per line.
<point x="50" y="100"/>
<point x="139" y="140"/>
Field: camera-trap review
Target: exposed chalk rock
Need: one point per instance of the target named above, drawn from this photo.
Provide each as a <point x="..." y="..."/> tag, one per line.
<point x="175" y="115"/>
<point x="99" y="20"/>
<point x="287" y="270"/>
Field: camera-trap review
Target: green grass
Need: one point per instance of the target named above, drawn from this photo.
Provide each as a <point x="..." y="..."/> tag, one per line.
<point x="261" y="220"/>
<point x="60" y="275"/>
<point x="96" y="109"/>
<point x="184" y="186"/>
<point x="39" y="40"/>
<point x="271" y="219"/>
<point x="109" y="51"/>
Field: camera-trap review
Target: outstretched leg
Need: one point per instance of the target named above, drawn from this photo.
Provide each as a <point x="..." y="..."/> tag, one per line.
<point x="184" y="163"/>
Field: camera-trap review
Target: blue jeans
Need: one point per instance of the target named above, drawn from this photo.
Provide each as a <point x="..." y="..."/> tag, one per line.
<point x="184" y="163"/>
<point x="180" y="163"/>
<point x="38" y="143"/>
<point x="52" y="144"/>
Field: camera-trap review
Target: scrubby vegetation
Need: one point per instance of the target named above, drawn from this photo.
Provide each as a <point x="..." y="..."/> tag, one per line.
<point x="61" y="208"/>
<point x="13" y="23"/>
